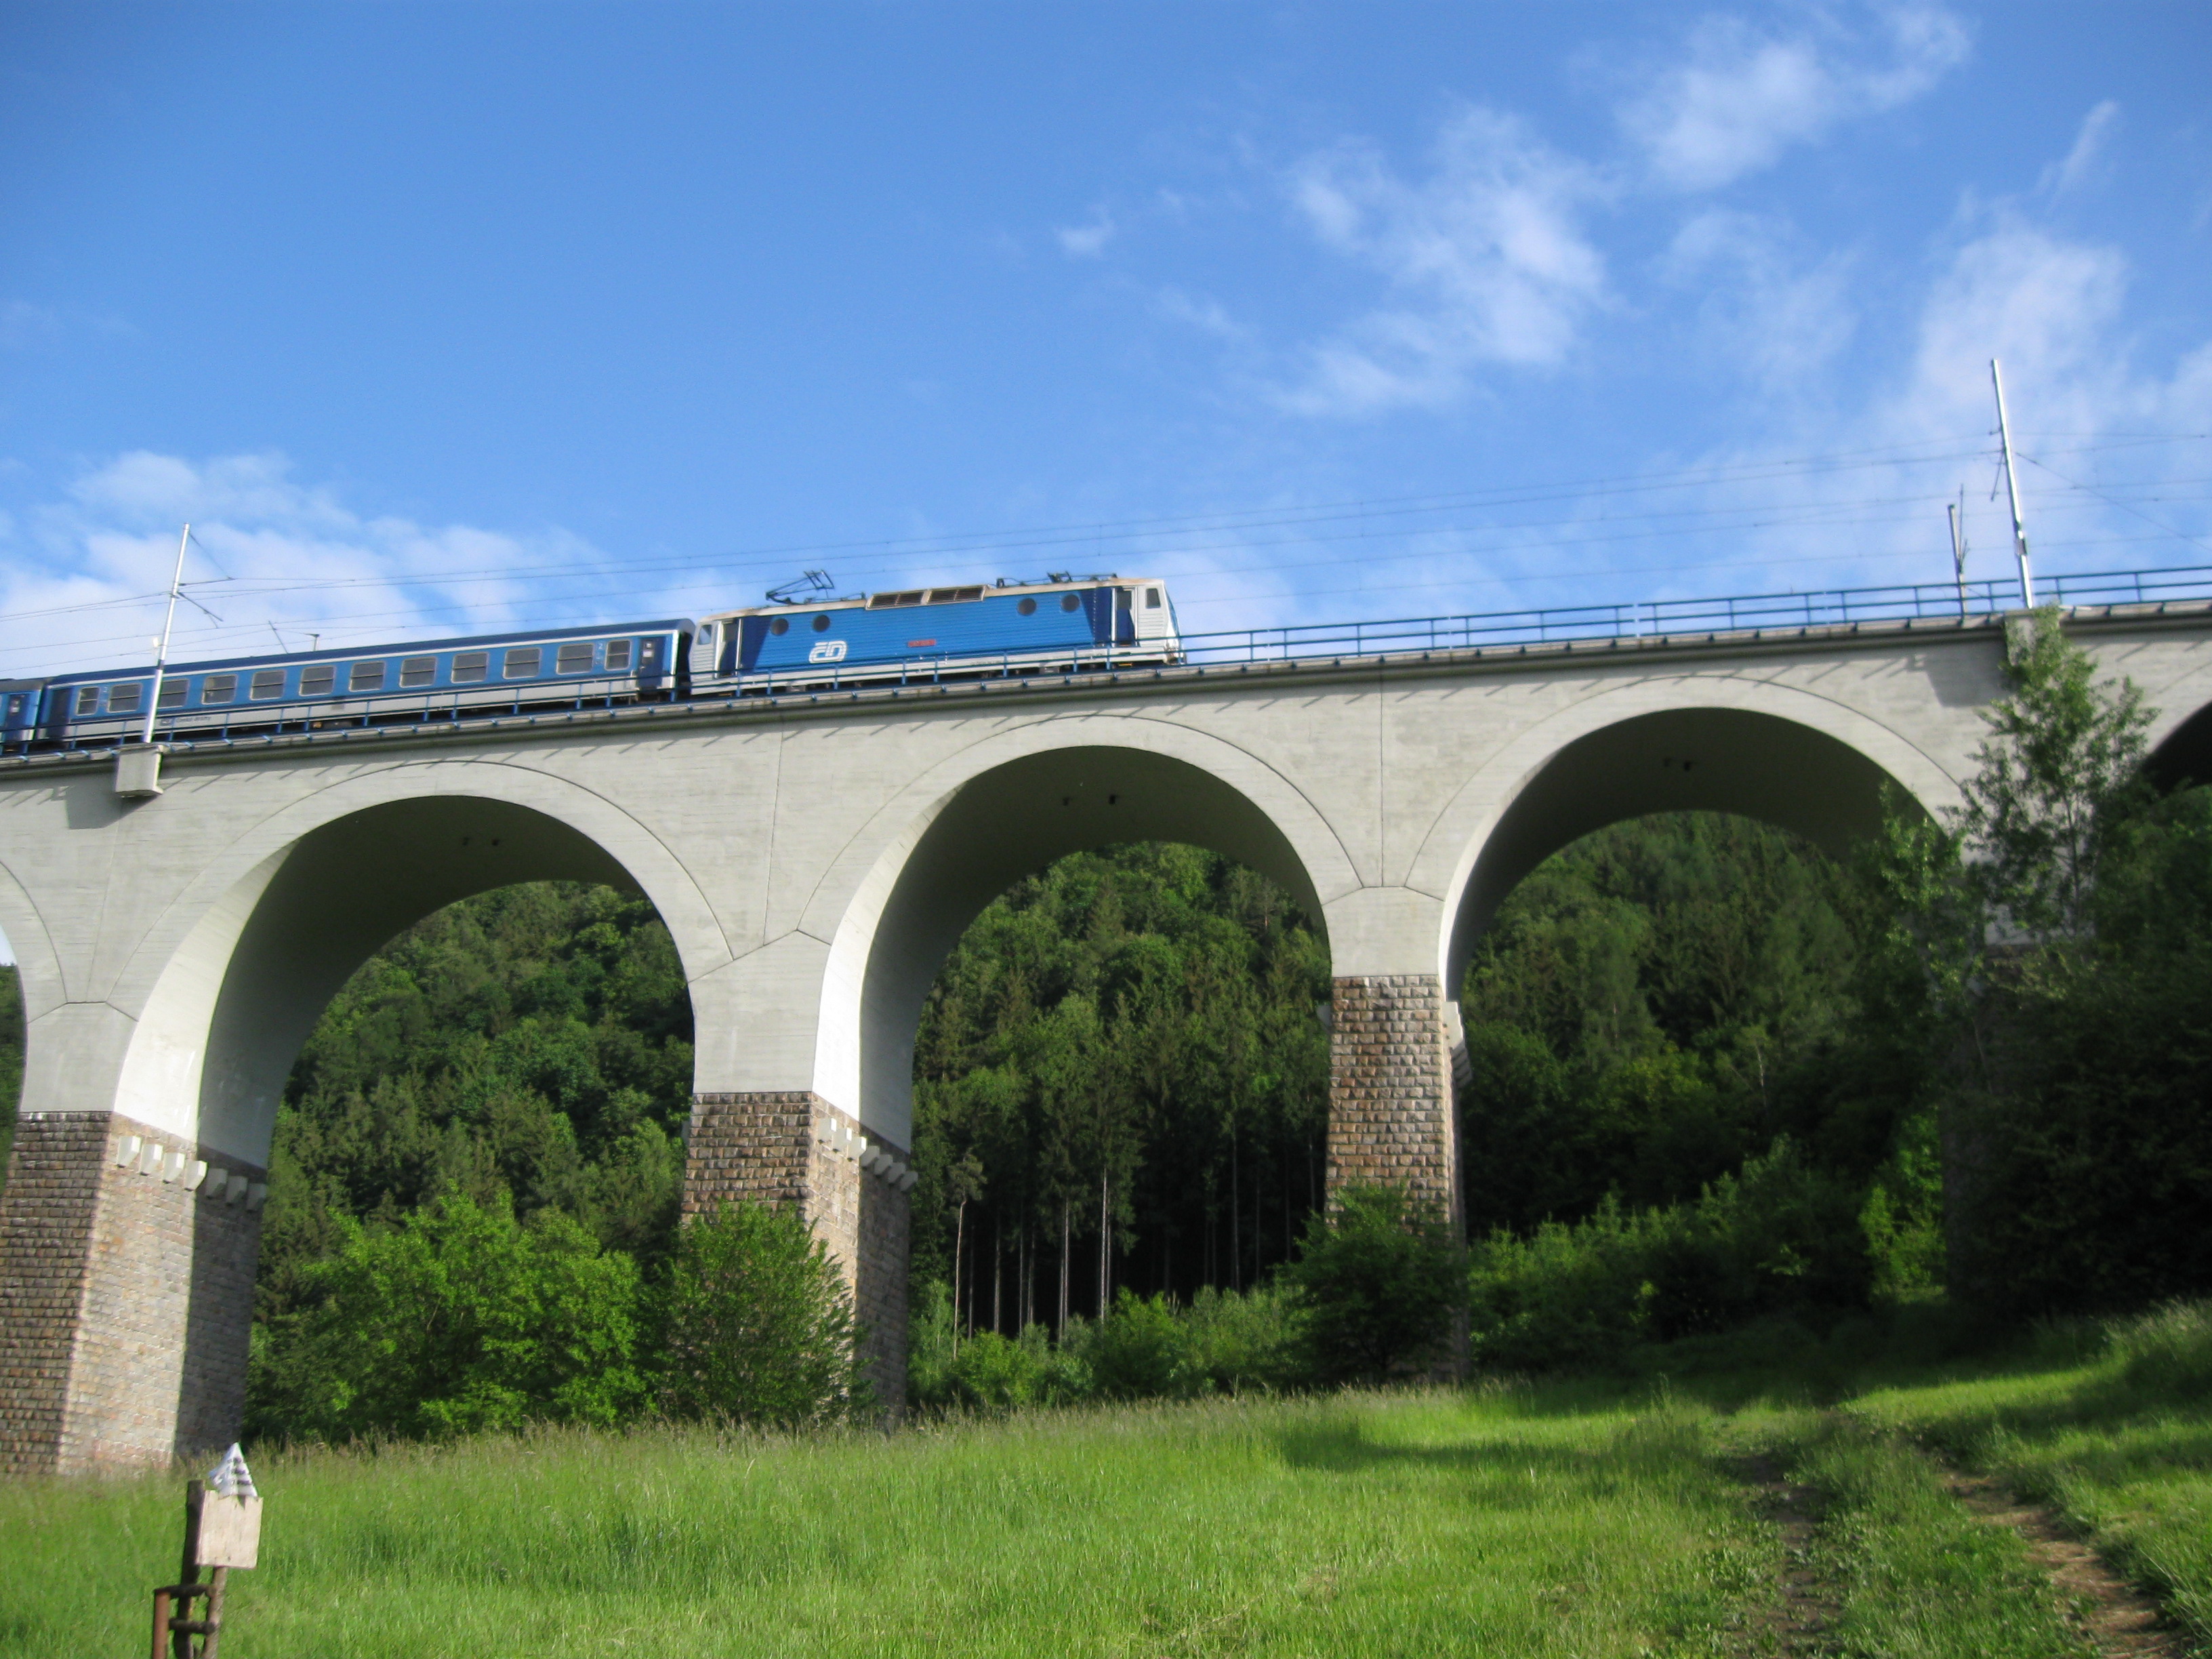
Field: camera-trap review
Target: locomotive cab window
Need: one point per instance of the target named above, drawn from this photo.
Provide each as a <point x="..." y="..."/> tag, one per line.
<point x="1151" y="598"/>
<point x="574" y="658"/>
<point x="218" y="687"/>
<point x="267" y="684"/>
<point x="522" y="663"/>
<point x="365" y="676"/>
<point x="124" y="699"/>
<point x="318" y="679"/>
<point x="617" y="653"/>
<point x="417" y="671"/>
<point x="470" y="666"/>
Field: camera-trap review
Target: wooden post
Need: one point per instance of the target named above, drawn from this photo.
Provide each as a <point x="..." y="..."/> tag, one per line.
<point x="228" y="1537"/>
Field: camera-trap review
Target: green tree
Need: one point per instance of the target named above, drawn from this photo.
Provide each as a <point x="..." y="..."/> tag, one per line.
<point x="760" y="1327"/>
<point x="458" y="1319"/>
<point x="1377" y="1284"/>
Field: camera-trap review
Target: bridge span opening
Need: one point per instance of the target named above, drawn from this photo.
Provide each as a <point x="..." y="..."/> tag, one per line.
<point x="143" y="1352"/>
<point x="1121" y="1082"/>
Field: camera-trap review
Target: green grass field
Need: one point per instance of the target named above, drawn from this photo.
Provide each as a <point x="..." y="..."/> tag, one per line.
<point x="1579" y="1520"/>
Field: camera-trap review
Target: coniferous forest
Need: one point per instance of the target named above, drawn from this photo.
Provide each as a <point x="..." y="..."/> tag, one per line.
<point x="1716" y="1080"/>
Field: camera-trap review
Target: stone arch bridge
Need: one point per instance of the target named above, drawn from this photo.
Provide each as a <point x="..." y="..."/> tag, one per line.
<point x="815" y="857"/>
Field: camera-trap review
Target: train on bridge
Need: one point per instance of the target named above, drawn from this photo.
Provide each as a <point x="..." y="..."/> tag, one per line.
<point x="1062" y="624"/>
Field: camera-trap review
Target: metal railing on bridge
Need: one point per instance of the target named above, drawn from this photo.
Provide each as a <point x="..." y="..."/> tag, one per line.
<point x="1564" y="625"/>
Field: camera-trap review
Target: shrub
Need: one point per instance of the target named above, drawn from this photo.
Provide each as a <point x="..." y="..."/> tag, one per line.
<point x="931" y="1347"/>
<point x="991" y="1374"/>
<point x="1142" y="1351"/>
<point x="1377" y="1284"/>
<point x="1779" y="1238"/>
<point x="458" y="1319"/>
<point x="1240" y="1342"/>
<point x="760" y="1324"/>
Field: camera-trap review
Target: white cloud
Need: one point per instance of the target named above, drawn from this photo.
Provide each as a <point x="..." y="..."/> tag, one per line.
<point x="1199" y="311"/>
<point x="80" y="577"/>
<point x="2086" y="159"/>
<point x="1768" y="308"/>
<point x="1745" y="95"/>
<point x="1088" y="240"/>
<point x="1485" y="256"/>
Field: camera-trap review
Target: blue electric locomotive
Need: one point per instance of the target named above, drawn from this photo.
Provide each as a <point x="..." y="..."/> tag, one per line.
<point x="435" y="680"/>
<point x="1064" y="624"/>
<point x="936" y="633"/>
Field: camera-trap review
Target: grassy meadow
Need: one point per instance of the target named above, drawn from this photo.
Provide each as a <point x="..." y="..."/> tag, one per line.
<point x="1591" y="1518"/>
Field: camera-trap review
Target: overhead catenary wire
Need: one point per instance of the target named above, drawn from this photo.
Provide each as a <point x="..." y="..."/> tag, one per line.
<point x="1208" y="540"/>
<point x="1046" y="538"/>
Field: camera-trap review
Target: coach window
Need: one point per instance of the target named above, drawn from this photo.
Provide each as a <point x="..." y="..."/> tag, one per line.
<point x="1071" y="601"/>
<point x="574" y="658"/>
<point x="87" y="700"/>
<point x="617" y="653"/>
<point x="417" y="671"/>
<point x="318" y="679"/>
<point x="822" y="624"/>
<point x="522" y="663"/>
<point x="1027" y="607"/>
<point x="266" y="684"/>
<point x="124" y="699"/>
<point x="173" y="695"/>
<point x="470" y="666"/>
<point x="218" y="687"/>
<point x="365" y="676"/>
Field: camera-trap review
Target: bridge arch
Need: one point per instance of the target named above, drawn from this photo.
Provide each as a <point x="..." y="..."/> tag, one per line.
<point x="966" y="832"/>
<point x="230" y="981"/>
<point x="1790" y="758"/>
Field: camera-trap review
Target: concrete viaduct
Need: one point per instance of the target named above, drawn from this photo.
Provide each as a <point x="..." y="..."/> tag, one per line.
<point x="814" y="858"/>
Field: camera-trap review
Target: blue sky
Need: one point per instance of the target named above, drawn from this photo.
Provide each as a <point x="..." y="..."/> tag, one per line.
<point x="441" y="318"/>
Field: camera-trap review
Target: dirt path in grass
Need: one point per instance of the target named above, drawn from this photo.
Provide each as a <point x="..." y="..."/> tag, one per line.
<point x="1799" y="1619"/>
<point x="2123" y="1622"/>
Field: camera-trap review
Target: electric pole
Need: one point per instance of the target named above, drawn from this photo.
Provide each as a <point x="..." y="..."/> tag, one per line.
<point x="2012" y="491"/>
<point x="1959" y="547"/>
<point x="161" y="649"/>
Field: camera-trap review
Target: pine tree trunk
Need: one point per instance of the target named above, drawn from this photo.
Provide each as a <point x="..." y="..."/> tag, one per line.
<point x="1236" y="1214"/>
<point x="959" y="1238"/>
<point x="1064" y="1232"/>
<point x="1105" y="1247"/>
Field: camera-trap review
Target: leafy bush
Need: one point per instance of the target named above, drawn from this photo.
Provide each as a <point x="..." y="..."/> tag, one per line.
<point x="1142" y="1350"/>
<point x="1147" y="1348"/>
<point x="1244" y="1341"/>
<point x="760" y="1323"/>
<point x="1377" y="1284"/>
<point x="1778" y="1237"/>
<point x="458" y="1319"/>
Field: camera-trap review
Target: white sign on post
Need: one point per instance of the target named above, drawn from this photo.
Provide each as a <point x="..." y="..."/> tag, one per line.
<point x="230" y="1515"/>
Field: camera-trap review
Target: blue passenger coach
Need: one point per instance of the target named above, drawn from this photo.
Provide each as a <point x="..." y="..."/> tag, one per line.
<point x="19" y="713"/>
<point x="939" y="632"/>
<point x="435" y="680"/>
